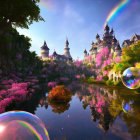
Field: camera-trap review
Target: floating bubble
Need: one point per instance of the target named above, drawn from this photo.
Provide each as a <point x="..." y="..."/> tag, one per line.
<point x="131" y="78"/>
<point x="127" y="107"/>
<point x="20" y="125"/>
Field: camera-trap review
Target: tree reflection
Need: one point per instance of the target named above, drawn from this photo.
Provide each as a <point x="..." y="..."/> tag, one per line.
<point x="106" y="104"/>
<point x="59" y="107"/>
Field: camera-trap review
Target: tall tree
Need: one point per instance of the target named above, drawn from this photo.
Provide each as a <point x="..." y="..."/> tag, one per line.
<point x="19" y="13"/>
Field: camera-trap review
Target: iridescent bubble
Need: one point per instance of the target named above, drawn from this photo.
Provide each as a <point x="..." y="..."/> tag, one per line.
<point x="20" y="125"/>
<point x="131" y="78"/>
<point x="127" y="107"/>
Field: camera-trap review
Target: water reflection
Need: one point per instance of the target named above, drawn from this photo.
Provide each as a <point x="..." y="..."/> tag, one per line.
<point x="96" y="108"/>
<point x="59" y="107"/>
<point x="107" y="104"/>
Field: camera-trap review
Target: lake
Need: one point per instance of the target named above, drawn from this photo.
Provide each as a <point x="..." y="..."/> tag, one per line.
<point x="96" y="112"/>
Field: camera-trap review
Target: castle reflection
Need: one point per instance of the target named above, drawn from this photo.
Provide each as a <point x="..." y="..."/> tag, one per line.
<point x="106" y="105"/>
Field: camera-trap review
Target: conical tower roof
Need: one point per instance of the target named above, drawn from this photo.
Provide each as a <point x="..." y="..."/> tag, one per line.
<point x="106" y="27"/>
<point x="112" y="31"/>
<point x="85" y="51"/>
<point x="54" y="53"/>
<point x="118" y="46"/>
<point x="45" y="47"/>
<point x="67" y="42"/>
<point x="114" y="39"/>
<point x="97" y="36"/>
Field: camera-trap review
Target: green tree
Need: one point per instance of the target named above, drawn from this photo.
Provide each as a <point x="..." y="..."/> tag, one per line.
<point x="130" y="56"/>
<point x="19" y="13"/>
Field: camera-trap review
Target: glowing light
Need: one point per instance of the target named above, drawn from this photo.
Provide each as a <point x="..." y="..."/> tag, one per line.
<point x="2" y="128"/>
<point x="116" y="10"/>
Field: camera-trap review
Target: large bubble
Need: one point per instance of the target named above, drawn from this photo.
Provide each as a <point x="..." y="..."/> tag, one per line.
<point x="20" y="125"/>
<point x="131" y="78"/>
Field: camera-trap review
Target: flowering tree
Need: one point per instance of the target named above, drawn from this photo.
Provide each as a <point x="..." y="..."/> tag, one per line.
<point x="103" y="58"/>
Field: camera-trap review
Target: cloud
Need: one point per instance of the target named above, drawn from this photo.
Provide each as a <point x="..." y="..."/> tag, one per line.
<point x="73" y="15"/>
<point x="49" y="4"/>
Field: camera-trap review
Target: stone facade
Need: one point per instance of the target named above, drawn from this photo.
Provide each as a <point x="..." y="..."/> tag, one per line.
<point x="114" y="76"/>
<point x="55" y="56"/>
<point x="134" y="39"/>
<point x="45" y="50"/>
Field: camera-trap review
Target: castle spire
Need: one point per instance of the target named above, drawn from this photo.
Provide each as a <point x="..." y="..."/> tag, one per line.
<point x="85" y="51"/>
<point x="118" y="46"/>
<point x="97" y="36"/>
<point x="106" y="28"/>
<point x="111" y="32"/>
<point x="67" y="42"/>
<point x="45" y="50"/>
<point x="66" y="49"/>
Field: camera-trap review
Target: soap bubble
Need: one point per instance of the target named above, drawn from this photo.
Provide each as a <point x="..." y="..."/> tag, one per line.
<point x="20" y="125"/>
<point x="131" y="78"/>
<point x="127" y="107"/>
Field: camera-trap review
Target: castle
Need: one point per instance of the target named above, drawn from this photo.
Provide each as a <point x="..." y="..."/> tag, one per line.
<point x="134" y="39"/>
<point x="55" y="56"/>
<point x="108" y="40"/>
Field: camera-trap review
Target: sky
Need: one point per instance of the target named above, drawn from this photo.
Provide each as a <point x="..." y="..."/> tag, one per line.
<point x="80" y="21"/>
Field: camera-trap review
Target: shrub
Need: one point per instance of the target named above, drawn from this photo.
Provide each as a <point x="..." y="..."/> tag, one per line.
<point x="91" y="80"/>
<point x="105" y="78"/>
<point x="109" y="82"/>
<point x="60" y="93"/>
<point x="118" y="83"/>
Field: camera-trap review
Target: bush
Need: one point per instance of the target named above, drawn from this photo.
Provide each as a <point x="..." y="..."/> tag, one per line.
<point x="105" y="78"/>
<point x="109" y="82"/>
<point x="118" y="83"/>
<point x="91" y="80"/>
<point x="60" y="93"/>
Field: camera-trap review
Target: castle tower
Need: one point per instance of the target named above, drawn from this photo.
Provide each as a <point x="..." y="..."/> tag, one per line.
<point x="118" y="50"/>
<point x="45" y="50"/>
<point x="66" y="49"/>
<point x="85" y="53"/>
<point x="106" y="29"/>
<point x="111" y="32"/>
<point x="54" y="55"/>
<point x="114" y="43"/>
<point x="106" y="35"/>
<point x="98" y="38"/>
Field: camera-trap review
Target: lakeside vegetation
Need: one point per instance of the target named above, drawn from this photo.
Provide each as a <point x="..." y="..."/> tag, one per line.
<point x="22" y="72"/>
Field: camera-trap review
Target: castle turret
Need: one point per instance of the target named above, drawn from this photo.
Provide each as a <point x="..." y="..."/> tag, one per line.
<point x="98" y="38"/>
<point x="54" y="55"/>
<point x="118" y="50"/>
<point x="114" y="40"/>
<point x="106" y="29"/>
<point x="45" y="50"/>
<point x="111" y="32"/>
<point x="66" y="49"/>
<point x="114" y="43"/>
<point x="85" y="53"/>
<point x="108" y="36"/>
<point x="92" y="44"/>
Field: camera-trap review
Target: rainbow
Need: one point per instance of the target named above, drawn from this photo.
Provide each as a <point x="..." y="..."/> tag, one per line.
<point x="116" y="10"/>
<point x="25" y="124"/>
<point x="48" y="4"/>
